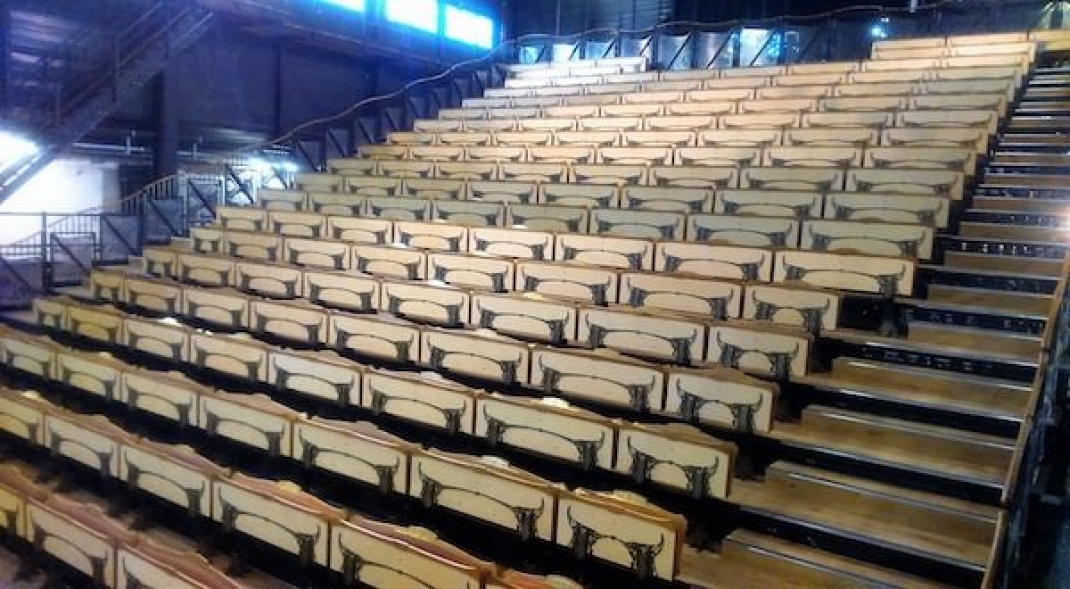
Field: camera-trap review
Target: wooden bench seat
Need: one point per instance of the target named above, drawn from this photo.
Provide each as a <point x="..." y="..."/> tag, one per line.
<point x="241" y="218"/>
<point x="758" y="346"/>
<point x="721" y="397"/>
<point x="395" y="260"/>
<point x="887" y="276"/>
<point x="333" y="182"/>
<point x="744" y="230"/>
<point x="236" y="355"/>
<point x="503" y="192"/>
<point x="431" y="236"/>
<point x="575" y="281"/>
<point x="602" y="525"/>
<point x="668" y="199"/>
<point x="739" y="137"/>
<point x="90" y="440"/>
<point x="646" y="333"/>
<point x="641" y="224"/>
<point x="848" y="119"/>
<point x="281" y="200"/>
<point x="277" y="513"/>
<point x="22" y="415"/>
<point x="297" y="321"/>
<point x="360" y="230"/>
<point x="78" y="535"/>
<point x="168" y="395"/>
<point x="548" y="427"/>
<point x="577" y="195"/>
<point x="97" y="374"/>
<point x="807" y="307"/>
<point x="816" y="136"/>
<point x="601" y="376"/>
<point x="877" y="239"/>
<point x="616" y="175"/>
<point x="719" y="156"/>
<point x="309" y="225"/>
<point x="152" y="564"/>
<point x="434" y="188"/>
<point x="377" y="336"/>
<point x="820" y="179"/>
<point x="676" y="456"/>
<point x="251" y="420"/>
<point x="338" y="203"/>
<point x="396" y="208"/>
<point x="511" y="243"/>
<point x="225" y="307"/>
<point x="486" y="488"/>
<point x="714" y="261"/>
<point x="614" y="252"/>
<point x="425" y="302"/>
<point x="962" y="137"/>
<point x="173" y="473"/>
<point x="873" y="87"/>
<point x="163" y="338"/>
<point x="478" y="170"/>
<point x="206" y="270"/>
<point x="944" y="183"/>
<point x="812" y="156"/>
<point x="769" y="203"/>
<point x="718" y="299"/>
<point x="476" y="271"/>
<point x="890" y="208"/>
<point x="28" y="354"/>
<point x="938" y="158"/>
<point x="425" y="398"/>
<point x="358" y="451"/>
<point x="694" y="177"/>
<point x="271" y="280"/>
<point x="317" y="253"/>
<point x="478" y="352"/>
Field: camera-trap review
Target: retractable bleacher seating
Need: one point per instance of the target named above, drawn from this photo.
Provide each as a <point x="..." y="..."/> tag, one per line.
<point x="776" y="326"/>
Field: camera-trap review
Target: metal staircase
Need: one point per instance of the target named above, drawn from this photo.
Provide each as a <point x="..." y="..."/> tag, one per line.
<point x="70" y="93"/>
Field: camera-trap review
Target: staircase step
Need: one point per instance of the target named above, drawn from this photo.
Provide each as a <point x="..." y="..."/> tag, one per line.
<point x="958" y="356"/>
<point x="1015" y="232"/>
<point x="983" y="317"/>
<point x="911" y="522"/>
<point x="1027" y="205"/>
<point x="1053" y="182"/>
<point x="1040" y="123"/>
<point x="1020" y="218"/>
<point x="1007" y="301"/>
<point x="1010" y="157"/>
<point x="960" y="394"/>
<point x="1056" y="105"/>
<point x="930" y="450"/>
<point x="1003" y="247"/>
<point x="1021" y="264"/>
<point x="1022" y="346"/>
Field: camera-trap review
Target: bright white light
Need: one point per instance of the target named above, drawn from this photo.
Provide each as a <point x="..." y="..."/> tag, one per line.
<point x="469" y="27"/>
<point x="420" y="14"/>
<point x="261" y="166"/>
<point x="289" y="167"/>
<point x="878" y="32"/>
<point x="14" y="149"/>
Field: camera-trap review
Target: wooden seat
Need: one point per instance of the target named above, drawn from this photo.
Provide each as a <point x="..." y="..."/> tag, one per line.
<point x="411" y="138"/>
<point x="503" y="192"/>
<point x="467" y="138"/>
<point x="523" y="138"/>
<point x="407" y="168"/>
<point x="676" y="456"/>
<point x="791" y="91"/>
<point x="470" y="171"/>
<point x="921" y="64"/>
<point x="612" y="88"/>
<point x="511" y="243"/>
<point x="592" y="99"/>
<point x="500" y="125"/>
<point x="376" y="336"/>
<point x="425" y="302"/>
<point x="644" y="333"/>
<point x="592" y="139"/>
<point x="280" y="514"/>
<point x="79" y="536"/>
<point x="318" y="253"/>
<point x="312" y="225"/>
<point x="395" y="260"/>
<point x="667" y="199"/>
<point x="618" y="124"/>
<point x="281" y="200"/>
<point x="22" y="415"/>
<point x="629" y="110"/>
<point x="383" y="152"/>
<point x="144" y="292"/>
<point x="985" y="62"/>
<point x="691" y="74"/>
<point x="437" y="125"/>
<point x="431" y="235"/>
<point x="269" y="280"/>
<point x="670" y="85"/>
<point x="764" y="120"/>
<point x="885" y="276"/>
<point x="616" y="174"/>
<point x="573" y="281"/>
<point x="601" y="376"/>
<point x="241" y="218"/>
<point x="546" y="125"/>
<point x="697" y="109"/>
<point x="985" y="119"/>
<point x="996" y="101"/>
<point x="438" y="189"/>
<point x="476" y="353"/>
<point x="721" y="95"/>
<point x="297" y="321"/>
<point x="102" y="324"/>
<point x="848" y="120"/>
<point x="498" y="153"/>
<point x="721" y="397"/>
<point x="752" y="71"/>
<point x="526" y="316"/>
<point x="818" y="137"/>
<point x="719" y="156"/>
<point x="944" y="183"/>
<point x="831" y="67"/>
<point x="392" y="556"/>
<point x="251" y="420"/>
<point x="90" y="440"/>
<point x="537" y="172"/>
<point x="963" y="137"/>
<point x="360" y="230"/>
<point x="812" y="309"/>
<point x="785" y="105"/>
<point x="175" y="474"/>
<point x="321" y="182"/>
<point x="818" y="179"/>
<point x="874" y="89"/>
<point x="95" y="374"/>
<point x="622" y="520"/>
<point x="810" y="156"/>
<point x="984" y="86"/>
<point x="237" y="356"/>
<point x="714" y="261"/>
<point x="890" y="208"/>
<point x="878" y="239"/>
<point x="397" y="208"/>
<point x="911" y="53"/>
<point x="765" y="348"/>
<point x="613" y="252"/>
<point x="480" y="487"/>
<point x="549" y="427"/>
<point x="430" y="153"/>
<point x="739" y="137"/>
<point x="655" y="139"/>
<point x="571" y="112"/>
<point x="470" y="213"/>
<point x="158" y="337"/>
<point x="919" y="158"/>
<point x="779" y="232"/>
<point x="425" y="398"/>
<point x="152" y="564"/>
<point x="477" y="271"/>
<point x="636" y="156"/>
<point x="334" y="203"/>
<point x="171" y="396"/>
<point x="562" y="155"/>
<point x="356" y="451"/>
<point x="223" y="307"/>
<point x="549" y="218"/>
<point x="719" y="299"/>
<point x="889" y="102"/>
<point x="51" y="313"/>
<point x="342" y="290"/>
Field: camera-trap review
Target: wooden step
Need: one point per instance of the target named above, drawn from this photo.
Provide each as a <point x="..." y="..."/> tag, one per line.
<point x="1024" y="181"/>
<point x="1036" y="304"/>
<point x="1023" y="264"/>
<point x="1032" y="107"/>
<point x="975" y="316"/>
<point x="1038" y="123"/>
<point x="1034" y="139"/>
<point x="911" y="446"/>
<point x="1027" y="205"/>
<point x="753" y="559"/>
<point x="931" y="389"/>
<point x="1003" y="231"/>
<point x="1022" y="346"/>
<point x="1002" y="158"/>
<point x="921" y="524"/>
<point x="907" y="346"/>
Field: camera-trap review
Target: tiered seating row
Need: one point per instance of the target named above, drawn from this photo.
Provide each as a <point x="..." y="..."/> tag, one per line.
<point x="376" y="177"/>
<point x="842" y="271"/>
<point x="278" y="513"/>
